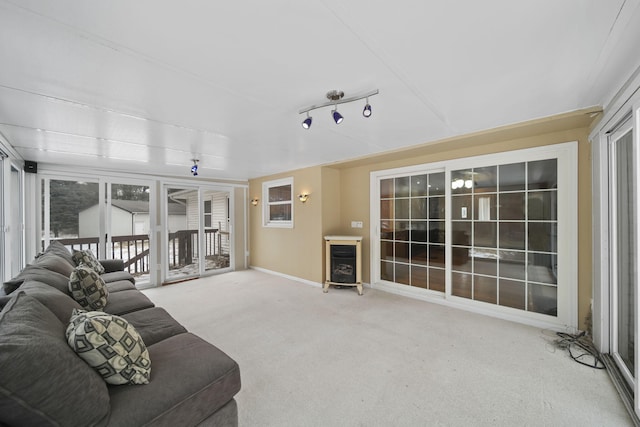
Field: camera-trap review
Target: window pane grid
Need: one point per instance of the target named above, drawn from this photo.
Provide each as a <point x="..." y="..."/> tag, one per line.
<point x="528" y="232"/>
<point x="412" y="230"/>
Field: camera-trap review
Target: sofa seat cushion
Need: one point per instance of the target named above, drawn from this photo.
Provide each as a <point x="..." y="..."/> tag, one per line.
<point x="120" y="285"/>
<point x="40" y="274"/>
<point x="88" y="288"/>
<point x="88" y="258"/>
<point x="191" y="379"/>
<point x="116" y="276"/>
<point x="60" y="304"/>
<point x="127" y="301"/>
<point x="40" y="375"/>
<point x="154" y="324"/>
<point x="110" y="345"/>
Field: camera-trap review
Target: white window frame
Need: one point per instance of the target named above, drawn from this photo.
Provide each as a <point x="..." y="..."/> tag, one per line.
<point x="266" y="220"/>
<point x="206" y="214"/>
<point x="567" y="155"/>
<point x="625" y="104"/>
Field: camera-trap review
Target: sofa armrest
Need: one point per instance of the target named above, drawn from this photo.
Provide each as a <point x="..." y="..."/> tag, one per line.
<point x="111" y="265"/>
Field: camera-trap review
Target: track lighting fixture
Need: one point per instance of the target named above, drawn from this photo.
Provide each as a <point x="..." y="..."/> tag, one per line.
<point x="194" y="168"/>
<point x="367" y="109"/>
<point x="336" y="97"/>
<point x="307" y="122"/>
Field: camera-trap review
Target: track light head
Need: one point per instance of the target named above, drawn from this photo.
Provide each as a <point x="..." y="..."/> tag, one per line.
<point x="194" y="168"/>
<point x="337" y="117"/>
<point x="367" y="109"/>
<point x="307" y="122"/>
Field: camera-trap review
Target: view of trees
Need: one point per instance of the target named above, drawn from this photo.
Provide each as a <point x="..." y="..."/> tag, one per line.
<point x="68" y="198"/>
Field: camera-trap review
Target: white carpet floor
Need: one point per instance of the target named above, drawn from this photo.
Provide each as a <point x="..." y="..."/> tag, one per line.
<point x="338" y="359"/>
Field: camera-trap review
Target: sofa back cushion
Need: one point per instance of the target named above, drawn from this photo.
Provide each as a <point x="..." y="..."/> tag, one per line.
<point x="56" y="259"/>
<point x="87" y="288"/>
<point x="39" y="274"/>
<point x="53" y="262"/>
<point x="59" y="303"/>
<point x="43" y="381"/>
<point x="57" y="248"/>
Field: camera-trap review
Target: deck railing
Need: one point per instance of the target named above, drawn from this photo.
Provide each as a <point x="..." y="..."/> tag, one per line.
<point x="134" y="249"/>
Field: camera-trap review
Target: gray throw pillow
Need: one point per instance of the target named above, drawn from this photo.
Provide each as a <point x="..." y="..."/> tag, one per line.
<point x="88" y="288"/>
<point x="110" y="345"/>
<point x="42" y="381"/>
<point x="87" y="257"/>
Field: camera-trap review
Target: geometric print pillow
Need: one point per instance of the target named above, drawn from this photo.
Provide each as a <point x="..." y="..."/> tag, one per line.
<point x="88" y="288"/>
<point x="110" y="345"/>
<point x="89" y="259"/>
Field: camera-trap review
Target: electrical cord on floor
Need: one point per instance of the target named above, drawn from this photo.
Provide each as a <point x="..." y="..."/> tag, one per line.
<point x="580" y="348"/>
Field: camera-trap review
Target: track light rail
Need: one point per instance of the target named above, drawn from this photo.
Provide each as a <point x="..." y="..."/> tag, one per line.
<point x="339" y="101"/>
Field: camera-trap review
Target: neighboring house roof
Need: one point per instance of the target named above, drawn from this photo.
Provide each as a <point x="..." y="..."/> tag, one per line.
<point x="141" y="206"/>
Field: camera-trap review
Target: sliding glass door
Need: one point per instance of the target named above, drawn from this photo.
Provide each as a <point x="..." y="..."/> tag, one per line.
<point x="492" y="233"/>
<point x="112" y="219"/>
<point x="623" y="220"/>
<point x="198" y="231"/>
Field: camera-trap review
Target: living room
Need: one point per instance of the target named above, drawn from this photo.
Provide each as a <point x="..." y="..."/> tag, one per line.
<point x="200" y="106"/>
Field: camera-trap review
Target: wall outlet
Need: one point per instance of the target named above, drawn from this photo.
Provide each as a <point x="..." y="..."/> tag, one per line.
<point x="356" y="224"/>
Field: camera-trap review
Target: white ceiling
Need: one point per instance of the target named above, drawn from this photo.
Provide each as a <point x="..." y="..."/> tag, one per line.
<point x="148" y="85"/>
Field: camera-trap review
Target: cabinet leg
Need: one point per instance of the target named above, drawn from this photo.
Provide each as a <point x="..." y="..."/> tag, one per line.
<point x="325" y="288"/>
<point x="359" y="289"/>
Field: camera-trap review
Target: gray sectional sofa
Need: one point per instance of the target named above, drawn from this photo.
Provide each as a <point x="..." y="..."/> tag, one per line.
<point x="44" y="382"/>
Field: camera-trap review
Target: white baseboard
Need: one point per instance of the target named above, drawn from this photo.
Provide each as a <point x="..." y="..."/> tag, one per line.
<point x="297" y="279"/>
<point x="503" y="313"/>
<point x="438" y="298"/>
<point x="286" y="276"/>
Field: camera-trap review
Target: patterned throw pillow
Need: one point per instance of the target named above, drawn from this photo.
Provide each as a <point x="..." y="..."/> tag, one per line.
<point x="111" y="346"/>
<point x="87" y="257"/>
<point x="88" y="288"/>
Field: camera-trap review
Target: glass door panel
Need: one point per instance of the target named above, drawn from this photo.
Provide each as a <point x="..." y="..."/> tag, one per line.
<point x="71" y="214"/>
<point x="504" y="235"/>
<point x="129" y="218"/>
<point x="15" y="221"/>
<point x="412" y="218"/>
<point x="217" y="244"/>
<point x="183" y="226"/>
<point x="623" y="219"/>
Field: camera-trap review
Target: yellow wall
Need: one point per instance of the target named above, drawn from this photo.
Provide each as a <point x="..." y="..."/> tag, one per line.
<point x="292" y="251"/>
<point x="340" y="194"/>
<point x="238" y="234"/>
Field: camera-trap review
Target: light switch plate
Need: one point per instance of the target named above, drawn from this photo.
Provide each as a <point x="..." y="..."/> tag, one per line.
<point x="356" y="224"/>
